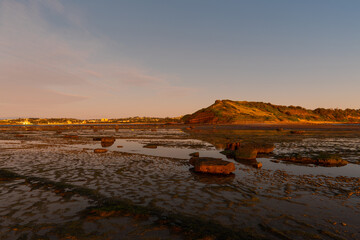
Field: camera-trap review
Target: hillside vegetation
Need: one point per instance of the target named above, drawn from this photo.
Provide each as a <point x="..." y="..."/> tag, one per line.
<point x="227" y="111"/>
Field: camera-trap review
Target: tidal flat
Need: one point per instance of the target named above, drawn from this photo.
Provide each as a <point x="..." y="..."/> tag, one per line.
<point x="54" y="186"/>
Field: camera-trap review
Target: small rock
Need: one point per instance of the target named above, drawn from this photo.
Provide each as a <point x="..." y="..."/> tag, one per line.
<point x="194" y="154"/>
<point x="275" y="161"/>
<point x="343" y="224"/>
<point x="297" y="132"/>
<point x="100" y="150"/>
<point x="119" y="146"/>
<point x="257" y="165"/>
<point x="71" y="136"/>
<point x="150" y="146"/>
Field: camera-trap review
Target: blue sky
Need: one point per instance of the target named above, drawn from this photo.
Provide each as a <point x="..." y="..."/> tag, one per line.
<point x="90" y="59"/>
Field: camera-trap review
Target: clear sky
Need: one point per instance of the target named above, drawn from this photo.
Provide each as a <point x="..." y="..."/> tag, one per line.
<point x="95" y="59"/>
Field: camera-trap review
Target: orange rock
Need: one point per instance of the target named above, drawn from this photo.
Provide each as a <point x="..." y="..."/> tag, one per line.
<point x="212" y="165"/>
<point x="100" y="150"/>
<point x="257" y="165"/>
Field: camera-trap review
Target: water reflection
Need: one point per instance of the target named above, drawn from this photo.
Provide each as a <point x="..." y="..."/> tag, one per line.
<point x="107" y="144"/>
<point x="211" y="178"/>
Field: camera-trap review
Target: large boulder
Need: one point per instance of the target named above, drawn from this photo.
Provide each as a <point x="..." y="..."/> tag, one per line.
<point x="246" y="153"/>
<point x="212" y="165"/>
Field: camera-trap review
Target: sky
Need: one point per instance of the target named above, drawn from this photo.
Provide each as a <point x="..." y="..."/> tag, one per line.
<point x="167" y="58"/>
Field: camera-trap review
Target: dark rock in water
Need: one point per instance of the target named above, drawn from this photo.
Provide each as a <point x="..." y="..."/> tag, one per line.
<point x="323" y="159"/>
<point x="71" y="136"/>
<point x="212" y="165"/>
<point x="97" y="138"/>
<point x="297" y="132"/>
<point x="119" y="146"/>
<point x="279" y="129"/>
<point x="194" y="154"/>
<point x="247" y="150"/>
<point x="228" y="153"/>
<point x="246" y="153"/>
<point x="100" y="150"/>
<point x="150" y="146"/>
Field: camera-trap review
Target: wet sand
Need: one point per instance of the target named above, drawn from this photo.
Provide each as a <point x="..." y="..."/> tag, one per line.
<point x="164" y="198"/>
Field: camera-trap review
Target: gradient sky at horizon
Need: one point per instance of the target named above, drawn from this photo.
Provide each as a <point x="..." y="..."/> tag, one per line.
<point x="96" y="59"/>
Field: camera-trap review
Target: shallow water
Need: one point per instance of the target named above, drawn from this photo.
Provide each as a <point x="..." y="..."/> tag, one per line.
<point x="177" y="150"/>
<point x="300" y="202"/>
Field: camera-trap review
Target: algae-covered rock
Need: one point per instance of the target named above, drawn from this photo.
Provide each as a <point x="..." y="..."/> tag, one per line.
<point x="246" y="153"/>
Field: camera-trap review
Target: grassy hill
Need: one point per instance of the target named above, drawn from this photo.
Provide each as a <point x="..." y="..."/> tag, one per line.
<point x="232" y="112"/>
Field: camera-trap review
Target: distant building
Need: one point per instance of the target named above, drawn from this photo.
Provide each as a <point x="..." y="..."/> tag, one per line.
<point x="26" y="122"/>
